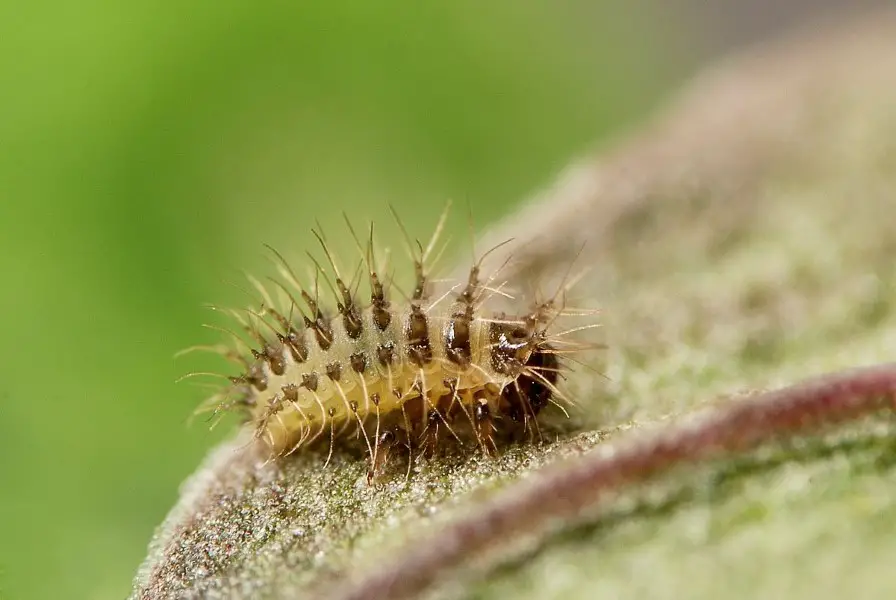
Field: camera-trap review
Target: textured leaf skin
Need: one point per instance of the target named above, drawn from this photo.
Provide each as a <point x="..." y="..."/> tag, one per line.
<point x="742" y="241"/>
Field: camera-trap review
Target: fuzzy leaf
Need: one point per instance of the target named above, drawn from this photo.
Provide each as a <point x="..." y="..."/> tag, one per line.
<point x="742" y="241"/>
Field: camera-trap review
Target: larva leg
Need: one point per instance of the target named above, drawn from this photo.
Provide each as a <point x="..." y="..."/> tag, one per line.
<point x="429" y="439"/>
<point x="386" y="444"/>
<point x="484" y="425"/>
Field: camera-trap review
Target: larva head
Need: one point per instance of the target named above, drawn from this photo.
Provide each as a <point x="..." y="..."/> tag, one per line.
<point x="511" y="347"/>
<point x="522" y="351"/>
<point x="517" y="344"/>
<point x="533" y="388"/>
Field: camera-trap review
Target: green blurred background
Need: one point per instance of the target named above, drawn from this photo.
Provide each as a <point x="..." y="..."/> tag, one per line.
<point x="148" y="150"/>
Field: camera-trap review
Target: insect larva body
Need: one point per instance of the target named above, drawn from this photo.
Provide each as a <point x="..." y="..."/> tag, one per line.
<point x="392" y="374"/>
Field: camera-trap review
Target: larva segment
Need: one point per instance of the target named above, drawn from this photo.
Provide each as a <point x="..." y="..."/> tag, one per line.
<point x="387" y="376"/>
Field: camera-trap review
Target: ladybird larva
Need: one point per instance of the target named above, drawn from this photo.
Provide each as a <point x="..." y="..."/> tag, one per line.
<point x="392" y="374"/>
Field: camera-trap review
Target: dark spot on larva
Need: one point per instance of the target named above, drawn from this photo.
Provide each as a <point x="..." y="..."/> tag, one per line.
<point x="309" y="381"/>
<point x="375" y="398"/>
<point x="275" y="405"/>
<point x="358" y="361"/>
<point x="457" y="334"/>
<point x="334" y="370"/>
<point x="331" y="412"/>
<point x="417" y="333"/>
<point x="295" y="341"/>
<point x="385" y="353"/>
<point x="256" y="376"/>
<point x="290" y="392"/>
<point x="352" y="322"/>
<point x="381" y="317"/>
<point x="353" y="406"/>
<point x="323" y="333"/>
<point x="457" y="339"/>
<point x="379" y="306"/>
<point x="510" y="346"/>
<point x="274" y="356"/>
<point x="396" y="391"/>
<point x="351" y="319"/>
